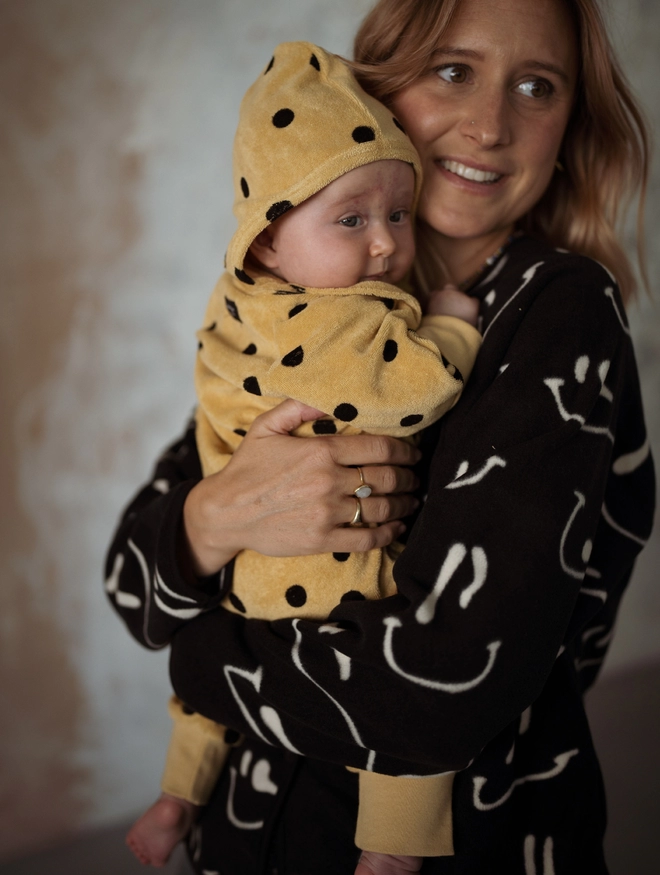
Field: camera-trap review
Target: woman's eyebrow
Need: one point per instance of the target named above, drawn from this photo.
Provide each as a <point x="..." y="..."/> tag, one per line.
<point x="548" y="67"/>
<point x="458" y="51"/>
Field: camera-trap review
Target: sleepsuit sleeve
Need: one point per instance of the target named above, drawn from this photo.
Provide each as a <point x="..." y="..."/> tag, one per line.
<point x="143" y="580"/>
<point x="358" y="359"/>
<point x="499" y="569"/>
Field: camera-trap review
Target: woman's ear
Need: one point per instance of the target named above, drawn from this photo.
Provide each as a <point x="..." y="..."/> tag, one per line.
<point x="262" y="248"/>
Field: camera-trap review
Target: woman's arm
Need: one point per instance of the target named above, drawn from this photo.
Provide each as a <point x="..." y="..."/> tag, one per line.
<point x="511" y="556"/>
<point x="170" y="559"/>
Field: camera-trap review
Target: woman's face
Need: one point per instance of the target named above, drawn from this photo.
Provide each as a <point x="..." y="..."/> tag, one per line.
<point x="489" y="115"/>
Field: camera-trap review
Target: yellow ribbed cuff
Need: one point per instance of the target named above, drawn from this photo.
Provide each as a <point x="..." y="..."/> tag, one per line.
<point x="195" y="757"/>
<point x="405" y="815"/>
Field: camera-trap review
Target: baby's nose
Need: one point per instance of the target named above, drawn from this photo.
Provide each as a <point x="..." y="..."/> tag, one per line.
<point x="382" y="244"/>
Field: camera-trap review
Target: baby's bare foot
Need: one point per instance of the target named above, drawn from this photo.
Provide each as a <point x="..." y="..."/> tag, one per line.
<point x="371" y="863"/>
<point x="154" y="836"/>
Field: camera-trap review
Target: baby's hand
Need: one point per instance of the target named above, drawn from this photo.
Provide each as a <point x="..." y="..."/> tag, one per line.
<point x="450" y="302"/>
<point x="371" y="863"/>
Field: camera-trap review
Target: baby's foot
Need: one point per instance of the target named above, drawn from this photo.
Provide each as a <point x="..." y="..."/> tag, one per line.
<point x="154" y="836"/>
<point x="371" y="863"/>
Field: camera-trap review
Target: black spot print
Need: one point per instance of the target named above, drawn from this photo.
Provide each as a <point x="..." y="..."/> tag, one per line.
<point x="240" y="431"/>
<point x="390" y="350"/>
<point x="452" y="370"/>
<point x="270" y="65"/>
<point x="341" y="557"/>
<point x="288" y="292"/>
<point x="232" y="736"/>
<point x="297" y="309"/>
<point x="283" y="118"/>
<point x="297" y="288"/>
<point x="314" y="61"/>
<point x="211" y="326"/>
<point x="251" y="385"/>
<point x="245" y="188"/>
<point x="237" y="603"/>
<point x="293" y="358"/>
<point x="296" y="596"/>
<point x="413" y="419"/>
<point x="187" y="709"/>
<point x="389" y="303"/>
<point x="363" y="134"/>
<point x="200" y="345"/>
<point x="352" y="596"/>
<point x="250" y="350"/>
<point x="324" y="426"/>
<point x="345" y="412"/>
<point x="278" y="209"/>
<point x="243" y="277"/>
<point x="232" y="308"/>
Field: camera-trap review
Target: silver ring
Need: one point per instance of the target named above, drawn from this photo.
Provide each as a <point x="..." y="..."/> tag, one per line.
<point x="357" y="516"/>
<point x="363" y="490"/>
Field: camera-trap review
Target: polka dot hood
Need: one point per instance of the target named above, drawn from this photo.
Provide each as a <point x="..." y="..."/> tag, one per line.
<point x="304" y="123"/>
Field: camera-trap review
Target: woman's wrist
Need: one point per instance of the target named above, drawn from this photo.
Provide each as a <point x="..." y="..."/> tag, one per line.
<point x="207" y="540"/>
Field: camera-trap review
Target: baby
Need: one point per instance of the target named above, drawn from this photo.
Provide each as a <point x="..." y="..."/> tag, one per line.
<point x="326" y="182"/>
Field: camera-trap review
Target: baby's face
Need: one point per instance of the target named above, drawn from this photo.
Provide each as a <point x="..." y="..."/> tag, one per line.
<point x="357" y="228"/>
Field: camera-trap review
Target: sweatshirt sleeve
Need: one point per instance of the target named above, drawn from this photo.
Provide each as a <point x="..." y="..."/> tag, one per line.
<point x="510" y="546"/>
<point x="358" y="359"/>
<point x="143" y="578"/>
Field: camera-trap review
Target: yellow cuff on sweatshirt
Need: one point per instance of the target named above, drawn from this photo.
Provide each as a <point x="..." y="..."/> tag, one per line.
<point x="457" y="340"/>
<point x="195" y="757"/>
<point x="405" y="815"/>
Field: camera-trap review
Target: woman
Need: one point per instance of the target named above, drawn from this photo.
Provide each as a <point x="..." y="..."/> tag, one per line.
<point x="540" y="488"/>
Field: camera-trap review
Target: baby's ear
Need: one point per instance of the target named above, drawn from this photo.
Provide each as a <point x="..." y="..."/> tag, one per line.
<point x="262" y="249"/>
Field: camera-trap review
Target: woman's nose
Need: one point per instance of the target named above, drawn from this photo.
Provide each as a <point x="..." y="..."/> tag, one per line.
<point x="486" y="119"/>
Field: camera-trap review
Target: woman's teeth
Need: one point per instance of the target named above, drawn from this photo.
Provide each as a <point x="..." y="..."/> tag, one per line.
<point x="470" y="173"/>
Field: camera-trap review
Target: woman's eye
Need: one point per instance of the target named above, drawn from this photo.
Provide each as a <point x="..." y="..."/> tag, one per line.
<point x="350" y="221"/>
<point x="455" y="73"/>
<point x="537" y="88"/>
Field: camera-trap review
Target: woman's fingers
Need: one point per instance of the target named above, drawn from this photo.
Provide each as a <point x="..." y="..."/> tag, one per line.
<point x="371" y="449"/>
<point x="383" y="479"/>
<point x="284" y="418"/>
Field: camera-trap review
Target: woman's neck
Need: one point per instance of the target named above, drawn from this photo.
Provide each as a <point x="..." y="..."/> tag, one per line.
<point x="454" y="260"/>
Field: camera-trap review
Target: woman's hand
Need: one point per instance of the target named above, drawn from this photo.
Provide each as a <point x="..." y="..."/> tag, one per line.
<point x="289" y="496"/>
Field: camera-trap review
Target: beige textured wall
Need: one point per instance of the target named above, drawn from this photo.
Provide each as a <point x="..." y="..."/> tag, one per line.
<point x="117" y="120"/>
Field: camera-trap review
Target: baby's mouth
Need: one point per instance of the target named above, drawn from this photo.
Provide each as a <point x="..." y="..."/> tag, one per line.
<point x="471" y="173"/>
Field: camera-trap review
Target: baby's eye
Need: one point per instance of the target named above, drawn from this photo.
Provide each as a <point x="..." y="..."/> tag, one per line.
<point x="537" y="88"/>
<point x="455" y="73"/>
<point x="398" y="216"/>
<point x="350" y="221"/>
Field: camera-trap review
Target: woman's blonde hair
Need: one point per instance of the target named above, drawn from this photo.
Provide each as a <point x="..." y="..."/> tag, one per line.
<point x="605" y="151"/>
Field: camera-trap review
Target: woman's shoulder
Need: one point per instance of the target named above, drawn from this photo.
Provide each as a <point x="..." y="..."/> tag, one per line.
<point x="559" y="287"/>
<point x="538" y="263"/>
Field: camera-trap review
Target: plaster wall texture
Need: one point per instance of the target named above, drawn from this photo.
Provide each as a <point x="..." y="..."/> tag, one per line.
<point x="115" y="154"/>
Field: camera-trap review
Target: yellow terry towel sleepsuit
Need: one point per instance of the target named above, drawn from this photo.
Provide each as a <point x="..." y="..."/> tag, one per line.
<point x="363" y="354"/>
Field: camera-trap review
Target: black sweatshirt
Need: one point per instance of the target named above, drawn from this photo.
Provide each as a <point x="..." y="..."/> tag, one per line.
<point x="540" y="495"/>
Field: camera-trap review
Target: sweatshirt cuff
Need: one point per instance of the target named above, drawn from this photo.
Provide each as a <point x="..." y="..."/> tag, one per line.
<point x="457" y="340"/>
<point x="206" y="592"/>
